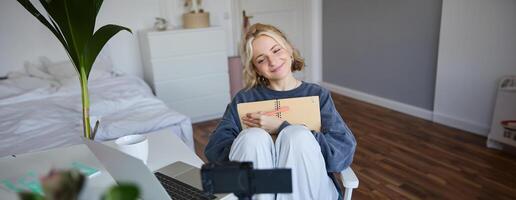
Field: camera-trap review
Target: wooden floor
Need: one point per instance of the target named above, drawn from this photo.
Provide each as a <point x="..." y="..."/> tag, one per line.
<point x="403" y="157"/>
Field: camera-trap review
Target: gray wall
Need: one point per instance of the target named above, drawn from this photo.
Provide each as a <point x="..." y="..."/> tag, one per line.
<point x="386" y="48"/>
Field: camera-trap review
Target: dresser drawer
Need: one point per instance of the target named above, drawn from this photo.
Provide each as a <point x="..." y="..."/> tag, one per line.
<point x="180" y="89"/>
<point x="189" y="66"/>
<point x="200" y="108"/>
<point x="188" y="69"/>
<point x="175" y="43"/>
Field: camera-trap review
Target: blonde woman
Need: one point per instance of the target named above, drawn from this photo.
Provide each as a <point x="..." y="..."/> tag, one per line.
<point x="269" y="62"/>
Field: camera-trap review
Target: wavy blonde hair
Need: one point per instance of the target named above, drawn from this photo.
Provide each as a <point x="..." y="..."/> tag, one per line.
<point x="250" y="76"/>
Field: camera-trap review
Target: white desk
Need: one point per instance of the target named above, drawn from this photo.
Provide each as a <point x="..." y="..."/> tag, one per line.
<point x="164" y="148"/>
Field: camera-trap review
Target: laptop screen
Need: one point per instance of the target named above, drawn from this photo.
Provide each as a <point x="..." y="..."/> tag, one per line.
<point x="125" y="168"/>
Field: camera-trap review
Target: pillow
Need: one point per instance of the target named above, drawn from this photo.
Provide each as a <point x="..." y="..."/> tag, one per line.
<point x="103" y="61"/>
<point x="65" y="71"/>
<point x="17" y="73"/>
<point x="70" y="83"/>
<point x="97" y="74"/>
<point x="29" y="77"/>
<point x="37" y="71"/>
<point x="62" y="70"/>
<point x="19" y="85"/>
<point x="30" y="69"/>
<point x="30" y="83"/>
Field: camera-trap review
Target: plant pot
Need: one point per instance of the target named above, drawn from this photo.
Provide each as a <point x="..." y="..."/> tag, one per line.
<point x="196" y="20"/>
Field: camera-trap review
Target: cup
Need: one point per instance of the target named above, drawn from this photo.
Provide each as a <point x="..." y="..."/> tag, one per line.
<point x="134" y="145"/>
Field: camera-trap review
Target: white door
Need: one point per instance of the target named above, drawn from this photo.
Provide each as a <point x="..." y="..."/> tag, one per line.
<point x="287" y="15"/>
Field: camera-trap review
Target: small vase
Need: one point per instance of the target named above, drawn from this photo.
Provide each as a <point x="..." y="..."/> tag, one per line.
<point x="160" y="24"/>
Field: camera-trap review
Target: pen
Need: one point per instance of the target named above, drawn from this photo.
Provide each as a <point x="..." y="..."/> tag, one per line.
<point x="282" y="109"/>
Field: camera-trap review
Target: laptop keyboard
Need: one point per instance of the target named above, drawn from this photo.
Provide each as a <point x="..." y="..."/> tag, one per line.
<point x="179" y="190"/>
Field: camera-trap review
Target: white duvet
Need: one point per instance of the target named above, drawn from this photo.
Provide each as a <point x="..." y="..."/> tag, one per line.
<point x="51" y="116"/>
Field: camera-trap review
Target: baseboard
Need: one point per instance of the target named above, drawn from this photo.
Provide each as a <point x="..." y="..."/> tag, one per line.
<point x="410" y="110"/>
<point x="460" y="124"/>
<point x="394" y="105"/>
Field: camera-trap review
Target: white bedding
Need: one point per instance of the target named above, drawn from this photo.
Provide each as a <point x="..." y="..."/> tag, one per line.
<point x="50" y="116"/>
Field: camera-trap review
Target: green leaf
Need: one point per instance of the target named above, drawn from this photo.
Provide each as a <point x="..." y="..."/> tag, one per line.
<point x="30" y="196"/>
<point x="54" y="9"/>
<point x="76" y="19"/>
<point x="124" y="191"/>
<point x="99" y="39"/>
<point x="98" y="4"/>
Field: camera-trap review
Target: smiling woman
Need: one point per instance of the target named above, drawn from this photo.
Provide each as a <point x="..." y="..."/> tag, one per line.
<point x="269" y="60"/>
<point x="265" y="44"/>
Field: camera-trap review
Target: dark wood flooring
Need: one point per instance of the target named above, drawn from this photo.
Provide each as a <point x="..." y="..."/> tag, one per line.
<point x="403" y="157"/>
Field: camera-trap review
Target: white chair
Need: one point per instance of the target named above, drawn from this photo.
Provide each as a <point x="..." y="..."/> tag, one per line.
<point x="349" y="182"/>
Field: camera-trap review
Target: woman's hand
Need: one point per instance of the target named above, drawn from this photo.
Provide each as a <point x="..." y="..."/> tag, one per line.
<point x="260" y="120"/>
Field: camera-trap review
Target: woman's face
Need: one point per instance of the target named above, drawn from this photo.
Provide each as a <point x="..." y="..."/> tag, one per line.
<point x="271" y="60"/>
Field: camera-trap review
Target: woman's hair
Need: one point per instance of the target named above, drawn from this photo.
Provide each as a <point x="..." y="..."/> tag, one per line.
<point x="251" y="77"/>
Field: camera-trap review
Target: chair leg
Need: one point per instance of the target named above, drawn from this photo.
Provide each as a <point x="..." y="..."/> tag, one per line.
<point x="347" y="193"/>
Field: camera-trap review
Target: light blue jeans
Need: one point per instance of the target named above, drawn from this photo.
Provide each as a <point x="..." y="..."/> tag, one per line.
<point x="295" y="148"/>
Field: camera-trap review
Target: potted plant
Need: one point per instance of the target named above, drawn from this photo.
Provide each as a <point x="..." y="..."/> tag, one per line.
<point x="67" y="185"/>
<point x="73" y="22"/>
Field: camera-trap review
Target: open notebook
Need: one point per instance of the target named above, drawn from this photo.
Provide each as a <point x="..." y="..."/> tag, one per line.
<point x="299" y="110"/>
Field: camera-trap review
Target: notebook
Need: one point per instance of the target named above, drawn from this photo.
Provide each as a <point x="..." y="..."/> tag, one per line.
<point x="299" y="110"/>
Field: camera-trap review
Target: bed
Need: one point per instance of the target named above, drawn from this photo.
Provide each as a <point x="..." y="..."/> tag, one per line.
<point x="40" y="108"/>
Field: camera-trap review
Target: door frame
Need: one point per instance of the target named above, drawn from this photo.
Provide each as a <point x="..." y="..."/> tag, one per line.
<point x="312" y="36"/>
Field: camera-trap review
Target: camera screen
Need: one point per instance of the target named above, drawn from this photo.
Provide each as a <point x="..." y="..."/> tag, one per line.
<point x="240" y="178"/>
<point x="227" y="177"/>
<point x="226" y="181"/>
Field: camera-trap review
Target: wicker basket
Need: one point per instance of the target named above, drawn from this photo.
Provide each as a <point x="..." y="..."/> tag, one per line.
<point x="196" y="20"/>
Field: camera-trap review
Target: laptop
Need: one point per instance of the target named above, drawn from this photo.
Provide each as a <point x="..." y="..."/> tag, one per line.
<point x="175" y="181"/>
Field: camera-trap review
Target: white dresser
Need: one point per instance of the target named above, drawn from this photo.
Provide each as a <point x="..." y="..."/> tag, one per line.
<point x="188" y="70"/>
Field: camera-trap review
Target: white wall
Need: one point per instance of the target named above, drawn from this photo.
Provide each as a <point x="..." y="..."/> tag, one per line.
<point x="22" y="38"/>
<point x="477" y="46"/>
